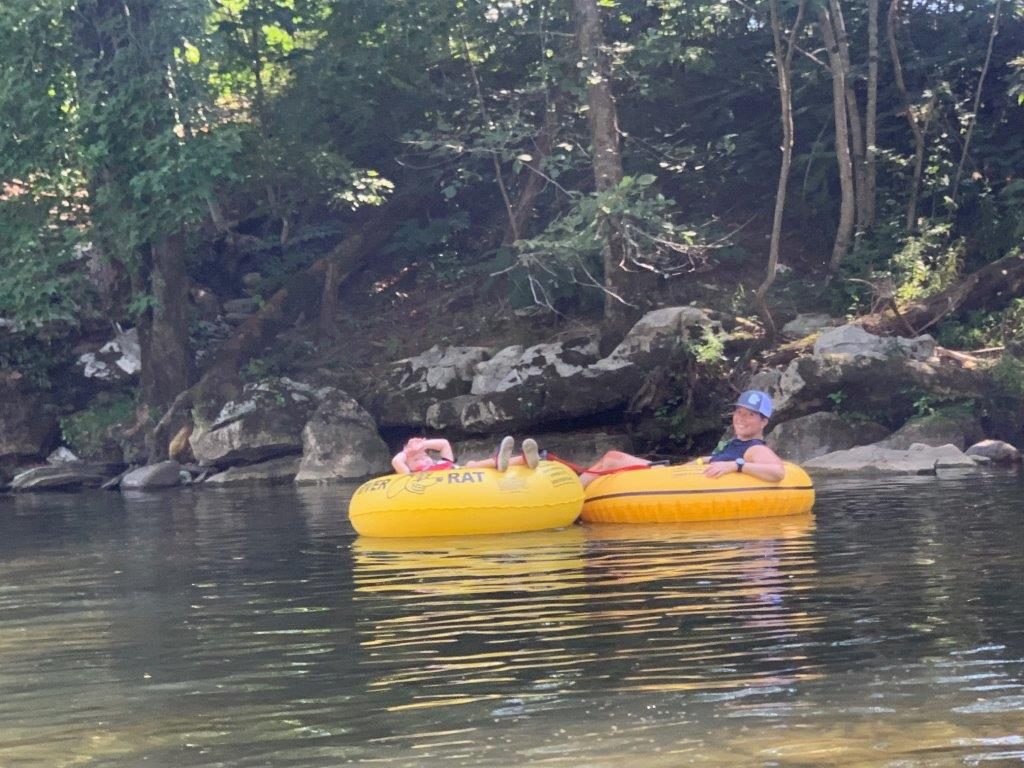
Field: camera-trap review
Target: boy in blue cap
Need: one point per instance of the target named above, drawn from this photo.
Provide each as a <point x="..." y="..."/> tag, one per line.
<point x="746" y="453"/>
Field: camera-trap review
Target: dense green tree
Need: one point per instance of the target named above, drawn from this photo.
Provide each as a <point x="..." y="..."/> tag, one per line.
<point x="557" y="142"/>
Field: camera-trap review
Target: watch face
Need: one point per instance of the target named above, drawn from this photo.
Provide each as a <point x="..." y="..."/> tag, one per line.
<point x="740" y="463"/>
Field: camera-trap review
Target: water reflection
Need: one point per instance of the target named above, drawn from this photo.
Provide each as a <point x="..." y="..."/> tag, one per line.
<point x="251" y="629"/>
<point x="449" y="621"/>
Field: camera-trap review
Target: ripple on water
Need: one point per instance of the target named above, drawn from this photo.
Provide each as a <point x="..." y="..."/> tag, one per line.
<point x="251" y="629"/>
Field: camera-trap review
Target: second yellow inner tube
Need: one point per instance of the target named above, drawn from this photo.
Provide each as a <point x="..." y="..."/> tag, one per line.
<point x="681" y="493"/>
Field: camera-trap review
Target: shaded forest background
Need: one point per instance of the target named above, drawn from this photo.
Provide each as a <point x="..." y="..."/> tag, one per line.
<point x="351" y="160"/>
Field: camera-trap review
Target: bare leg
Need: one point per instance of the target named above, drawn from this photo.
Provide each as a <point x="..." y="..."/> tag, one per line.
<point x="491" y="463"/>
<point x="611" y="460"/>
<point x="502" y="459"/>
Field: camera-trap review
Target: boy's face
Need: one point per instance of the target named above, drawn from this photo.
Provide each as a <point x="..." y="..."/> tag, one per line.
<point x="747" y="423"/>
<point x="414" y="444"/>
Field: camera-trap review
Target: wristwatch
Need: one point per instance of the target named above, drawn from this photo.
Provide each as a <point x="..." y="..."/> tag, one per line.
<point x="739" y="464"/>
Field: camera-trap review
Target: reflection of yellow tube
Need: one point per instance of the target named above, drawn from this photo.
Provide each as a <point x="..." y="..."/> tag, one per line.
<point x="683" y="494"/>
<point x="466" y="565"/>
<point x="467" y="501"/>
<point x="748" y="529"/>
<point x="449" y="621"/>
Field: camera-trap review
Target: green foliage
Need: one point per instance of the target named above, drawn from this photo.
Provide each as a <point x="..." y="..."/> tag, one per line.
<point x="88" y="432"/>
<point x="843" y="406"/>
<point x="928" y="406"/>
<point x="926" y="264"/>
<point x="42" y="282"/>
<point x="277" y="362"/>
<point x="121" y="128"/>
<point x="569" y="250"/>
<point x="36" y="356"/>
<point x="710" y="349"/>
<point x="1008" y="374"/>
<point x="675" y="419"/>
<point x="980" y="329"/>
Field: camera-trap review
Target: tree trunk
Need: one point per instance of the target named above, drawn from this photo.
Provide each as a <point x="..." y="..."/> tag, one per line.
<point x="908" y="111"/>
<point x="299" y="299"/>
<point x="607" y="159"/>
<point x="350" y="254"/>
<point x="847" y="207"/>
<point x="783" y="68"/>
<point x="991" y="287"/>
<point x="123" y="59"/>
<point x="977" y="104"/>
<point x="856" y="132"/>
<point x="871" y="119"/>
<point x="167" y="364"/>
<point x="535" y="178"/>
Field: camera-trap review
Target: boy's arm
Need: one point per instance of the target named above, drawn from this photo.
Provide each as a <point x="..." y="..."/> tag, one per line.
<point x="440" y="445"/>
<point x="761" y="462"/>
<point x="399" y="465"/>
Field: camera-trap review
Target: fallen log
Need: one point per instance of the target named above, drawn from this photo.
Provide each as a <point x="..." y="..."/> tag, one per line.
<point x="991" y="287"/>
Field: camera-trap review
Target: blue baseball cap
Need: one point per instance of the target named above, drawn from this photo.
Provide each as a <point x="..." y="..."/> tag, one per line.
<point x="757" y="401"/>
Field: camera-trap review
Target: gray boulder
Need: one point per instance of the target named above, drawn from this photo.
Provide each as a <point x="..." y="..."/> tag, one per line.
<point x="514" y="366"/>
<point x="62" y="455"/>
<point x="274" y="472"/>
<point x="340" y="442"/>
<point x="265" y="422"/>
<point x="549" y="383"/>
<point x="880" y="375"/>
<point x="996" y="451"/>
<point x="657" y="332"/>
<point x="854" y="341"/>
<point x="64" y="477"/>
<point x="820" y="433"/>
<point x="165" y="474"/>
<point x="445" y="371"/>
<point x="804" y="325"/>
<point x="937" y="429"/>
<point x="403" y="392"/>
<point x="918" y="459"/>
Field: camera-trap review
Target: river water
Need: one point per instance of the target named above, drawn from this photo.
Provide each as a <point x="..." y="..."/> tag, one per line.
<point x="252" y="628"/>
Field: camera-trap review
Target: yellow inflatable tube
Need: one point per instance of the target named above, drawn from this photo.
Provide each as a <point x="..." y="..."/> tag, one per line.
<point x="682" y="494"/>
<point x="456" y="502"/>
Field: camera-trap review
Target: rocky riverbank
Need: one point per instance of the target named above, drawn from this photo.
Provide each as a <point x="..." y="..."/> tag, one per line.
<point x="849" y="402"/>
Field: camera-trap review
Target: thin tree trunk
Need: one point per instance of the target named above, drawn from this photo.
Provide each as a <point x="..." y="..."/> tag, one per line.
<point x="783" y="69"/>
<point x="871" y="119"/>
<point x="350" y="254"/>
<point x="908" y="111"/>
<point x="977" y="103"/>
<point x="536" y="180"/>
<point x="847" y="206"/>
<point x="495" y="158"/>
<point x="607" y="159"/>
<point x="856" y="130"/>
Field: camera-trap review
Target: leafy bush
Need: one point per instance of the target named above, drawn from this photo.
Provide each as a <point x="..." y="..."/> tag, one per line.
<point x="569" y="250"/>
<point x="986" y="329"/>
<point x="926" y="264"/>
<point x="88" y="432"/>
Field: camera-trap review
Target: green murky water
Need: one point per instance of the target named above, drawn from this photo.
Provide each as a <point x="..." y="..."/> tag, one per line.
<point x="250" y="628"/>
